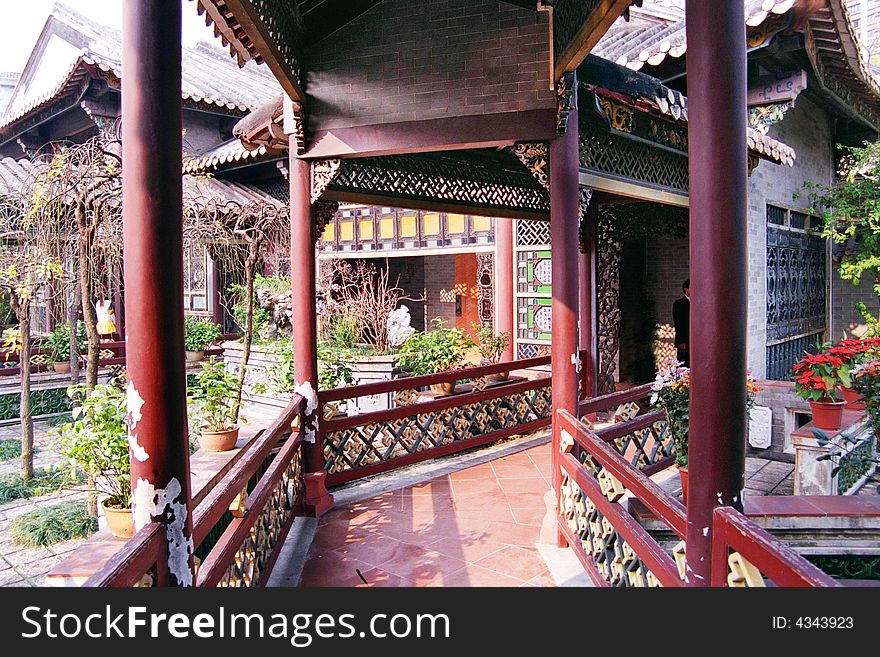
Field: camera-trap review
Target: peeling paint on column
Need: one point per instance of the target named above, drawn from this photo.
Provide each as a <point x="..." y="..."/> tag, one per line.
<point x="163" y="505"/>
<point x="308" y="393"/>
<point x="135" y="403"/>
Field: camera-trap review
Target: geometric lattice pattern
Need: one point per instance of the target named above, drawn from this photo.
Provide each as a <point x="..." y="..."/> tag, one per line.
<point x="442" y="179"/>
<point x="250" y="561"/>
<point x="532" y="233"/>
<point x="378" y="442"/>
<point x="641" y="448"/>
<point x="614" y="559"/>
<point x="43" y="402"/>
<point x="604" y="152"/>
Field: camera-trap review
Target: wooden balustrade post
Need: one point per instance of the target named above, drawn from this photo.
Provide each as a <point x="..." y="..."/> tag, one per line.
<point x="305" y="339"/>
<point x="153" y="256"/>
<point x="504" y="292"/>
<point x="718" y="180"/>
<point x="564" y="197"/>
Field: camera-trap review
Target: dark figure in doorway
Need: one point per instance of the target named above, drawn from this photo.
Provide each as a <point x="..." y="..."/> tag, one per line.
<point x="681" y="317"/>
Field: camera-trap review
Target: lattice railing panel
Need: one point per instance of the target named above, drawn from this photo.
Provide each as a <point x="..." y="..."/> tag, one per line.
<point x="614" y="559"/>
<point x="642" y="448"/>
<point x="252" y="557"/>
<point x="363" y="445"/>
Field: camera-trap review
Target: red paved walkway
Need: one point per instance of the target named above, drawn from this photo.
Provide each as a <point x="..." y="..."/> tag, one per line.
<point x="476" y="527"/>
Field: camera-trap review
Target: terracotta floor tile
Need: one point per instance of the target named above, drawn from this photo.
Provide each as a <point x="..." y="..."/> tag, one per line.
<point x="543" y="580"/>
<point x="338" y="533"/>
<point x="421" y="566"/>
<point x="534" y="517"/>
<point x="378" y="578"/>
<point x="522" y="485"/>
<point x="468" y="551"/>
<point x="331" y="569"/>
<point x="514" y="561"/>
<point x="441" y="485"/>
<point x="477" y="472"/>
<point x="518" y="471"/>
<point x="476" y="486"/>
<point x="473" y="575"/>
<point x="513" y="534"/>
<point x="527" y="500"/>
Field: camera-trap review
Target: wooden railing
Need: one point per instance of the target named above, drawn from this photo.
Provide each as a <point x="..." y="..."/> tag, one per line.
<point x="743" y="554"/>
<point x="419" y="427"/>
<point x="253" y="523"/>
<point x="111" y="353"/>
<point x="613" y="547"/>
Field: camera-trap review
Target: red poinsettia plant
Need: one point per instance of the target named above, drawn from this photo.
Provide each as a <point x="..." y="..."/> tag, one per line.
<point x="853" y="351"/>
<point x="817" y="377"/>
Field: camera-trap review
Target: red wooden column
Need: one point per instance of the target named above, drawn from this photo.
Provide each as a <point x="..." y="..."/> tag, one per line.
<point x="586" y="300"/>
<point x="504" y="291"/>
<point x="718" y="178"/>
<point x="305" y="334"/>
<point x="153" y="256"/>
<point x="564" y="242"/>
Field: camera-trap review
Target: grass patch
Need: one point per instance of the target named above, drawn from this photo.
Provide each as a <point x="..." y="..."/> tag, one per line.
<point x="13" y="487"/>
<point x="58" y="420"/>
<point x="10" y="448"/>
<point x="53" y="524"/>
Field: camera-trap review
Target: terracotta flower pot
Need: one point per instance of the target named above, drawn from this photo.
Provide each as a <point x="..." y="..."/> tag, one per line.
<point x="445" y="388"/>
<point x="827" y="414"/>
<point x="853" y="399"/>
<point x="194" y="356"/>
<point x="62" y="367"/>
<point x="119" y="521"/>
<point x="218" y="441"/>
<point x="500" y="376"/>
<point x="683" y="473"/>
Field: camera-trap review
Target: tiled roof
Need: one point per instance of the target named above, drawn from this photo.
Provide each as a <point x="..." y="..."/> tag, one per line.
<point x="12" y="174"/>
<point x="640" y="43"/>
<point x="208" y="77"/>
<point x="649" y="94"/>
<point x="228" y="152"/>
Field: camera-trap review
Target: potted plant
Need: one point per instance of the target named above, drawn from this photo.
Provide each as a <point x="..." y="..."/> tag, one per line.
<point x="96" y="441"/>
<point x="215" y="398"/>
<point x="58" y="343"/>
<point x="671" y="392"/>
<point x="439" y="350"/>
<point x="817" y="379"/>
<point x="853" y="352"/>
<point x="198" y="334"/>
<point x="491" y="347"/>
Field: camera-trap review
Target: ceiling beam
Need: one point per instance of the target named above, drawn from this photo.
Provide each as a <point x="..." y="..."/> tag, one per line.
<point x="585" y="39"/>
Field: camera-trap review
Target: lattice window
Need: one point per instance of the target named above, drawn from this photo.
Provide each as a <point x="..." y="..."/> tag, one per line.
<point x="532" y="287"/>
<point x="198" y="280"/>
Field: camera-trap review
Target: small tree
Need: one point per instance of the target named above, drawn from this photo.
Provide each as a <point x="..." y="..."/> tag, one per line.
<point x="851" y="213"/>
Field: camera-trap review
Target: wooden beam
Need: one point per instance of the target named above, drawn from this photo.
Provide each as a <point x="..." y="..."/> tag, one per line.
<point x="253" y="26"/>
<point x="603" y="16"/>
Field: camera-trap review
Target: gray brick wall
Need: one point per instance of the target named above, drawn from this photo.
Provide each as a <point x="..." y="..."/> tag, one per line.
<point x="667" y="260"/>
<point x="809" y="130"/>
<point x="844" y="296"/>
<point x="448" y="58"/>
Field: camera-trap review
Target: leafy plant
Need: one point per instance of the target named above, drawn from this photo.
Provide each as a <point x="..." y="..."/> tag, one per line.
<point x="14" y="487"/>
<point x="199" y="333"/>
<point x="671" y="392"/>
<point x="344" y="330"/>
<point x="333" y="367"/>
<point x="10" y="448"/>
<point x="96" y="441"/>
<point x="490" y="345"/>
<point x="866" y="382"/>
<point x="262" y="316"/>
<point x="58" y="341"/>
<point x="817" y="376"/>
<point x="439" y="350"/>
<point x="215" y="396"/>
<point x="53" y="524"/>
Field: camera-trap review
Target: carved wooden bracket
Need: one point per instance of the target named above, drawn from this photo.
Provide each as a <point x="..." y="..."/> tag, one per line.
<point x="323" y="212"/>
<point x="535" y="156"/>
<point x="566" y="100"/>
<point x="323" y="173"/>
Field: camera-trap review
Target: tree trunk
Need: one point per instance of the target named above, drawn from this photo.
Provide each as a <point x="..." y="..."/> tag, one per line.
<point x="88" y="309"/>
<point x="248" y="337"/>
<point x="73" y="320"/>
<point x="27" y="422"/>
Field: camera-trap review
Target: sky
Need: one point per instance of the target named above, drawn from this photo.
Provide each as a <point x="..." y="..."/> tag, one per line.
<point x="29" y="16"/>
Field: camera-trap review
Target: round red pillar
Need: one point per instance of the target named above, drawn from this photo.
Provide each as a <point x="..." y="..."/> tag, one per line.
<point x="504" y="291"/>
<point x="718" y="182"/>
<point x="564" y="196"/>
<point x="305" y="334"/>
<point x="153" y="256"/>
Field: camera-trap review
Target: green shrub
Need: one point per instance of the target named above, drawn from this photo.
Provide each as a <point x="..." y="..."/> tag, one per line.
<point x="58" y="341"/>
<point x="13" y="487"/>
<point x="96" y="440"/>
<point x="333" y="367"/>
<point x="53" y="524"/>
<point x="215" y="395"/>
<point x="437" y="350"/>
<point x="344" y="330"/>
<point x="199" y="333"/>
<point x="10" y="448"/>
<point x="262" y="316"/>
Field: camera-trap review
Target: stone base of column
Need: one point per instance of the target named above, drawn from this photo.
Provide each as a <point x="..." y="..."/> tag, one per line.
<point x="318" y="501"/>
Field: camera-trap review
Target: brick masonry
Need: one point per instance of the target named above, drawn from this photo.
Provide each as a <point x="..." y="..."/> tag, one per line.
<point x="449" y="58"/>
<point x="440" y="288"/>
<point x="667" y="269"/>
